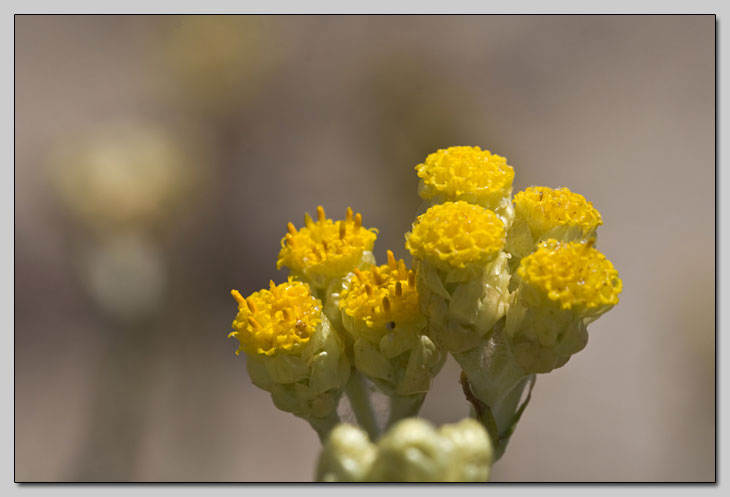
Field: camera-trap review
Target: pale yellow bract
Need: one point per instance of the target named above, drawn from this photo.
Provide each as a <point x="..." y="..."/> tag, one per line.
<point x="456" y="171"/>
<point x="325" y="246"/>
<point x="545" y="208"/>
<point x="277" y="319"/>
<point x="574" y="274"/>
<point x="384" y="294"/>
<point x="457" y="234"/>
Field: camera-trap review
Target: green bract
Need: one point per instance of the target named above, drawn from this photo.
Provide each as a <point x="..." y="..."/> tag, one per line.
<point x="308" y="382"/>
<point x="462" y="312"/>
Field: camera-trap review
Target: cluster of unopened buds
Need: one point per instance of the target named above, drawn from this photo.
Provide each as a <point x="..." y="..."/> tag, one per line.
<point x="506" y="285"/>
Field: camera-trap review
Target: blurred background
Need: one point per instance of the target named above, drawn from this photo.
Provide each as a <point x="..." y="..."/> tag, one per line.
<point x="159" y="158"/>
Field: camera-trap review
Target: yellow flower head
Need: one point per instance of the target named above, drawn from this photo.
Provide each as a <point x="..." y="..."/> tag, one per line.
<point x="277" y="319"/>
<point x="456" y="234"/>
<point x="544" y="209"/>
<point x="467" y="173"/>
<point x="383" y="296"/>
<point x="574" y="275"/>
<point x="326" y="247"/>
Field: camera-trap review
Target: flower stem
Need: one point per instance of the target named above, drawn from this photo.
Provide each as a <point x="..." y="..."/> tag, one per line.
<point x="404" y="406"/>
<point x="323" y="426"/>
<point x="359" y="396"/>
<point x="496" y="384"/>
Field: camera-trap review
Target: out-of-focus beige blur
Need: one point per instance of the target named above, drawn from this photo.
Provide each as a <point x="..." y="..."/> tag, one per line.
<point x="158" y="160"/>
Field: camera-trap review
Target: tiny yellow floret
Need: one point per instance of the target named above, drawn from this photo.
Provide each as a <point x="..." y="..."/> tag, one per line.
<point x="545" y="208"/>
<point x="457" y="171"/>
<point x="277" y="319"/>
<point x="332" y="248"/>
<point x="457" y="234"/>
<point x="382" y="295"/>
<point x="574" y="274"/>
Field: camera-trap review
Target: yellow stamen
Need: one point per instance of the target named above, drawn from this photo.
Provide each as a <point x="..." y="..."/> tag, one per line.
<point x="237" y="295"/>
<point x="376" y="275"/>
<point x="391" y="260"/>
<point x="402" y="272"/>
<point x="386" y="305"/>
<point x="320" y="214"/>
<point x="251" y="305"/>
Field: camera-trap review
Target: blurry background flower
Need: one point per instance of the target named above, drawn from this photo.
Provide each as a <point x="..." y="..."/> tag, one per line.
<point x="212" y="64"/>
<point x="124" y="175"/>
<point x="595" y="104"/>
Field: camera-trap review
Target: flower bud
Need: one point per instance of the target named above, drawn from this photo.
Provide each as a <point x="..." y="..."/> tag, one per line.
<point x="292" y="351"/>
<point x="414" y="451"/>
<point x="324" y="251"/>
<point x="462" y="272"/>
<point x="468" y="174"/>
<point x="346" y="455"/>
<point x="411" y="451"/>
<point x="562" y="288"/>
<point x="380" y="310"/>
<point x="473" y="454"/>
<point x="542" y="213"/>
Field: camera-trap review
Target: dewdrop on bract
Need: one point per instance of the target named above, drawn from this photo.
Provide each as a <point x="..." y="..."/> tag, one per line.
<point x="292" y="352"/>
<point x="324" y="250"/>
<point x="542" y="213"/>
<point x="562" y="288"/>
<point x="462" y="271"/>
<point x="470" y="174"/>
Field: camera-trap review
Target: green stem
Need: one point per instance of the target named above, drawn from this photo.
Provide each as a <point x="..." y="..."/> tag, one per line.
<point x="504" y="412"/>
<point x="404" y="406"/>
<point x="497" y="383"/>
<point x="323" y="426"/>
<point x="359" y="395"/>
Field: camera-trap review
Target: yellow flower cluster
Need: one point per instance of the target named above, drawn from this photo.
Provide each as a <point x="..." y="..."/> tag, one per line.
<point x="456" y="234"/>
<point x="485" y="287"/>
<point x="573" y="274"/>
<point x="545" y="208"/>
<point x="326" y="247"/>
<point x="383" y="296"/>
<point x="280" y="318"/>
<point x="465" y="171"/>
